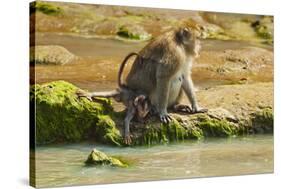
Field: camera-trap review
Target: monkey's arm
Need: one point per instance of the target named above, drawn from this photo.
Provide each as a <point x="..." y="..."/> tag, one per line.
<point x="188" y="88"/>
<point x="162" y="91"/>
<point x="129" y="116"/>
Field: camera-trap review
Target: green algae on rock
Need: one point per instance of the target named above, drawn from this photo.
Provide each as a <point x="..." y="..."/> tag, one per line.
<point x="61" y="116"/>
<point x="133" y="32"/>
<point x="46" y="8"/>
<point x="262" y="121"/>
<point x="97" y="157"/>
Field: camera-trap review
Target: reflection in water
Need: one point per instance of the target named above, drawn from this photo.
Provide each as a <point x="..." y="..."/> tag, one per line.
<point x="63" y="165"/>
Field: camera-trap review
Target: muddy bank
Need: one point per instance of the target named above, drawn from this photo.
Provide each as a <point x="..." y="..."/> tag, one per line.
<point x="247" y="64"/>
<point x="96" y="68"/>
<point x="233" y="110"/>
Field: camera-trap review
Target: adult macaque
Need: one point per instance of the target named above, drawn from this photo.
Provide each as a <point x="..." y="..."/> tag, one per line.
<point x="165" y="72"/>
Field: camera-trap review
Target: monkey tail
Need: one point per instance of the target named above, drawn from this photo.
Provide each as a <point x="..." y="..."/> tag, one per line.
<point x="122" y="66"/>
<point x="106" y="94"/>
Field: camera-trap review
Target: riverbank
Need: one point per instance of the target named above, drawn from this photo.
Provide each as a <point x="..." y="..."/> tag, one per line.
<point x="233" y="110"/>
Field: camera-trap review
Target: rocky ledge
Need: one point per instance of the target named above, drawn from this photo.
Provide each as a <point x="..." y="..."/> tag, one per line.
<point x="233" y="110"/>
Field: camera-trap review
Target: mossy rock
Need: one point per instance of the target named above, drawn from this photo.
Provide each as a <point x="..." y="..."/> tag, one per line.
<point x="45" y="8"/>
<point x="265" y="28"/>
<point x="133" y="32"/>
<point x="262" y="121"/>
<point x="63" y="117"/>
<point x="97" y="158"/>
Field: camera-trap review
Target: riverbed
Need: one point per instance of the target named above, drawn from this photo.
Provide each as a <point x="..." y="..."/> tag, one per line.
<point x="60" y="165"/>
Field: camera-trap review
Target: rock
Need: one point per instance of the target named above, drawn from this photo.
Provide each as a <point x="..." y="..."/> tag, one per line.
<point x="134" y="32"/>
<point x="233" y="110"/>
<point x="97" y="157"/>
<point x="62" y="117"/>
<point x="46" y="8"/>
<point x="265" y="28"/>
<point x="50" y="54"/>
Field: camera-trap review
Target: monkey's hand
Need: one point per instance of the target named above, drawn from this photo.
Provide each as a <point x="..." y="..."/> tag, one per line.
<point x="81" y="93"/>
<point x="165" y="118"/>
<point x="127" y="139"/>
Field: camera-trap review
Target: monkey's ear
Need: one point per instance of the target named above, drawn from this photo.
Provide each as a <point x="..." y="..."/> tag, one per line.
<point x="138" y="99"/>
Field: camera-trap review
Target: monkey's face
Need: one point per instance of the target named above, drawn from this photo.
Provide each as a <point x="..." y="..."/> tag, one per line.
<point x="189" y="40"/>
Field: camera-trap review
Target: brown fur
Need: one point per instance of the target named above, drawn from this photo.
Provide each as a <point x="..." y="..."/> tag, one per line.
<point x="165" y="70"/>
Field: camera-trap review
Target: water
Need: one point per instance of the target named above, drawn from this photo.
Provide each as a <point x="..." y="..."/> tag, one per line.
<point x="62" y="165"/>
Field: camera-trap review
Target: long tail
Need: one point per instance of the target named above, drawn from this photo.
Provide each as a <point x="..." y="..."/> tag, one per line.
<point x="122" y="66"/>
<point x="106" y="94"/>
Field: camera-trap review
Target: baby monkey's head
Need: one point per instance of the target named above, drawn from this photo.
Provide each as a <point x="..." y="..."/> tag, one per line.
<point x="142" y="105"/>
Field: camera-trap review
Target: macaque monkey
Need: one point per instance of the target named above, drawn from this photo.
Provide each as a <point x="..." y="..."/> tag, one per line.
<point x="137" y="103"/>
<point x="165" y="72"/>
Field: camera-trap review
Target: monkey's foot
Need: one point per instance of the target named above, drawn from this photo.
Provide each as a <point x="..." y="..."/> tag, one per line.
<point x="165" y="118"/>
<point x="127" y="139"/>
<point x="182" y="108"/>
<point x="199" y="110"/>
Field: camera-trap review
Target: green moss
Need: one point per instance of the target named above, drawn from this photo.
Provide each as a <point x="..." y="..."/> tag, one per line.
<point x="106" y="131"/>
<point x="217" y="128"/>
<point x="133" y="32"/>
<point x="264" y="28"/>
<point x="262" y="121"/>
<point x="46" y="8"/>
<point x="61" y="116"/>
<point x="162" y="133"/>
<point x="97" y="157"/>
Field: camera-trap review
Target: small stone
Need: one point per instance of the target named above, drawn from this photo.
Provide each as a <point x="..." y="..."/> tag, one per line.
<point x="97" y="157"/>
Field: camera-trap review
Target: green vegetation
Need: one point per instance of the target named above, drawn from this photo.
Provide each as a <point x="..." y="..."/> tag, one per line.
<point x="97" y="158"/>
<point x="61" y="116"/>
<point x="133" y="32"/>
<point x="262" y="121"/>
<point x="46" y="8"/>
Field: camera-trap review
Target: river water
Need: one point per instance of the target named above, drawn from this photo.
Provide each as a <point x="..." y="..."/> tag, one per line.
<point x="62" y="165"/>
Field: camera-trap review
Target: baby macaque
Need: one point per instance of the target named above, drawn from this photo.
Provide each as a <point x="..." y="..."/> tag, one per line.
<point x="137" y="103"/>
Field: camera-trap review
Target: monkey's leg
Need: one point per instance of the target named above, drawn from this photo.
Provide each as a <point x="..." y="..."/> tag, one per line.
<point x="189" y="91"/>
<point x="162" y="92"/>
<point x="131" y="111"/>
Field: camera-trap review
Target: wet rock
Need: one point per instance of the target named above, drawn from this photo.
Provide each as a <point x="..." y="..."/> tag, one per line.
<point x="265" y="28"/>
<point x="221" y="113"/>
<point x="233" y="110"/>
<point x="51" y="54"/>
<point x="134" y="32"/>
<point x="97" y="157"/>
<point x="63" y="117"/>
<point x="46" y="8"/>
